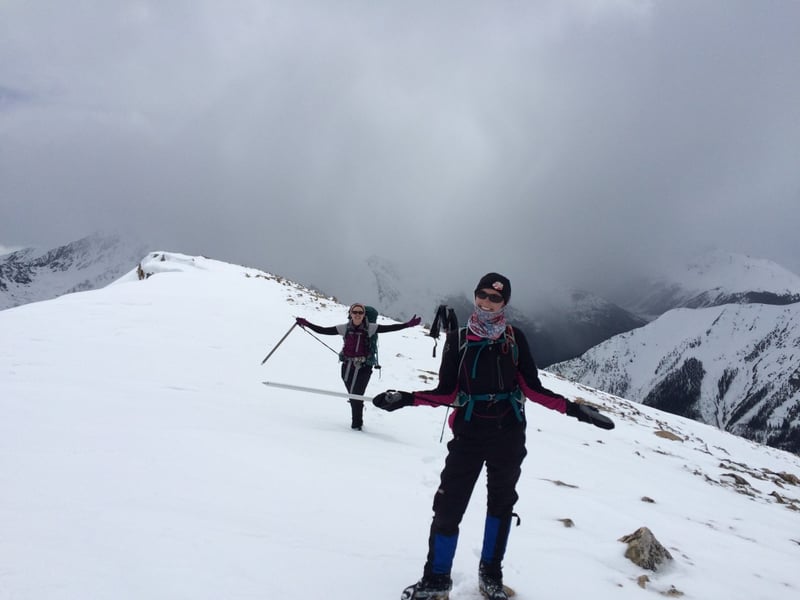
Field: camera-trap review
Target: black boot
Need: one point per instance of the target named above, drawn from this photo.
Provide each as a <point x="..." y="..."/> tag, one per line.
<point x="357" y="410"/>
<point x="430" y="587"/>
<point x="490" y="582"/>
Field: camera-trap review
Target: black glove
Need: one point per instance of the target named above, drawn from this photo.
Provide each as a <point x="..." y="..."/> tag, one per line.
<point x="414" y="321"/>
<point x="589" y="414"/>
<point x="393" y="399"/>
<point x="301" y="321"/>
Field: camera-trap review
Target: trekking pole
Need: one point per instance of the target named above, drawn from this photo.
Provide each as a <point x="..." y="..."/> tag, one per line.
<point x="311" y="390"/>
<point x="320" y="341"/>
<point x="279" y="343"/>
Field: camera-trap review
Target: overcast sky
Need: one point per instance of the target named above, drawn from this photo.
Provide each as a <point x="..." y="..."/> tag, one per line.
<point x="565" y="139"/>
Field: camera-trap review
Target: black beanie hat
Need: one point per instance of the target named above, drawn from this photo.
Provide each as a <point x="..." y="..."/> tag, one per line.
<point x="498" y="283"/>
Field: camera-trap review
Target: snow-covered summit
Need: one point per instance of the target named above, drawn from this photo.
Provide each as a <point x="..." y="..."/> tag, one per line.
<point x="738" y="273"/>
<point x="713" y="279"/>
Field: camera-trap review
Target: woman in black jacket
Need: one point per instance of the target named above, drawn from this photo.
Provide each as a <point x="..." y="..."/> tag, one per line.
<point x="487" y="371"/>
<point x="356" y="355"/>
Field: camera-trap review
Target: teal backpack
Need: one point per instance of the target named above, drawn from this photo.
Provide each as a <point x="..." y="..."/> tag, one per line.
<point x="372" y="357"/>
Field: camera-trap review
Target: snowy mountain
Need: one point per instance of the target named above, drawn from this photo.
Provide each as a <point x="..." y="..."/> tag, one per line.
<point x="141" y="457"/>
<point x="714" y="279"/>
<point x="572" y="321"/>
<point x="735" y="366"/>
<point x="733" y="363"/>
<point x="32" y="275"/>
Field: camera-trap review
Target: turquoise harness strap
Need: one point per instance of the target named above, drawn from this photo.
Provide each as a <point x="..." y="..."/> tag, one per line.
<point x="516" y="403"/>
<point x="481" y="345"/>
<point x="469" y="400"/>
<point x="507" y="341"/>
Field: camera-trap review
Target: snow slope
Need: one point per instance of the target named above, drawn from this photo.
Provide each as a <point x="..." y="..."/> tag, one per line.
<point x="141" y="457"/>
<point x="735" y="366"/>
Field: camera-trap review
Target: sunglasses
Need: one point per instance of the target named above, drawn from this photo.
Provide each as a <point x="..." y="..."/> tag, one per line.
<point x="496" y="298"/>
<point x="356" y="312"/>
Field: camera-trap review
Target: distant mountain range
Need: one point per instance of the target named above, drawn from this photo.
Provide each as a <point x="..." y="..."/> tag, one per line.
<point x="727" y="355"/>
<point x="717" y="340"/>
<point x="736" y="366"/>
<point x="32" y="275"/>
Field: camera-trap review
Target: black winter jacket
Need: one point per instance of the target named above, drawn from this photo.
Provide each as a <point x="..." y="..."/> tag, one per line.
<point x="482" y="367"/>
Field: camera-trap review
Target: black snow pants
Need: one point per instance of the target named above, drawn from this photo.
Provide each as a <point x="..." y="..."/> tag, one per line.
<point x="502" y="451"/>
<point x="356" y="378"/>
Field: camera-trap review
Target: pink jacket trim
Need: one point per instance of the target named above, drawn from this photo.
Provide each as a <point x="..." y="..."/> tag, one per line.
<point x="557" y="403"/>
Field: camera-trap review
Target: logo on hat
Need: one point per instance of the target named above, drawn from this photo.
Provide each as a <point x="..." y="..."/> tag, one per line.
<point x="498" y="285"/>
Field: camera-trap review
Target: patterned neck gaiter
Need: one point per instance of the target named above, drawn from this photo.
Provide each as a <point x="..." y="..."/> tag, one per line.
<point x="489" y="325"/>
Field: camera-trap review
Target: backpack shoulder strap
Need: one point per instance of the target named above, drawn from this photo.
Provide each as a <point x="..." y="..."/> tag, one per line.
<point x="462" y="339"/>
<point x="512" y="344"/>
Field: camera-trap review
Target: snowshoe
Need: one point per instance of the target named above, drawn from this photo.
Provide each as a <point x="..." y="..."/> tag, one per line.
<point x="491" y="586"/>
<point x="430" y="587"/>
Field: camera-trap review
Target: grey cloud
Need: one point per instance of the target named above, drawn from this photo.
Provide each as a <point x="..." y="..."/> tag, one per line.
<point x="578" y="142"/>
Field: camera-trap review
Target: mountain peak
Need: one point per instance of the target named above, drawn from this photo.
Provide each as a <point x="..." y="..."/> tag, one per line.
<point x="34" y="274"/>
<point x="715" y="278"/>
<point x="737" y="273"/>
